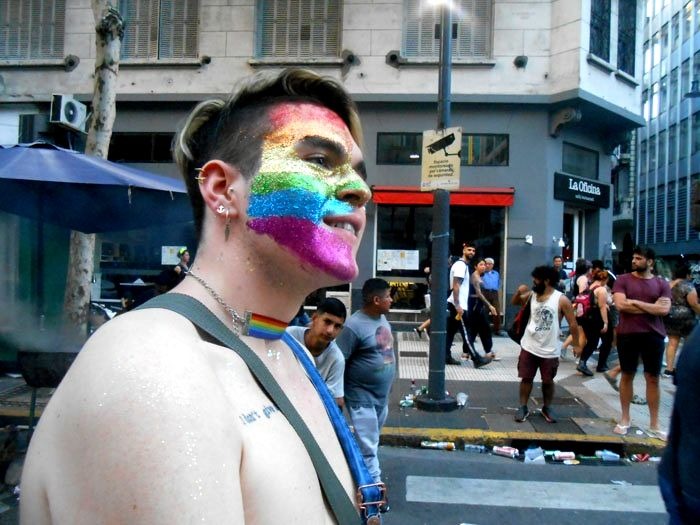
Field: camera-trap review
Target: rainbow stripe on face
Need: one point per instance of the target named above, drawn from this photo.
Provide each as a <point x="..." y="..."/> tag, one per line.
<point x="290" y="197"/>
<point x="263" y="327"/>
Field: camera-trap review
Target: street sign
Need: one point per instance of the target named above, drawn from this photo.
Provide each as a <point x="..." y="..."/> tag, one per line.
<point x="441" y="159"/>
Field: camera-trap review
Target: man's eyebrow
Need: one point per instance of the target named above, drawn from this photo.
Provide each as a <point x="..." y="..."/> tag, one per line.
<point x="334" y="147"/>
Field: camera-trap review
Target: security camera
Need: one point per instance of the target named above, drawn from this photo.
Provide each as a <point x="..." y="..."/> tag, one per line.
<point x="443" y="143"/>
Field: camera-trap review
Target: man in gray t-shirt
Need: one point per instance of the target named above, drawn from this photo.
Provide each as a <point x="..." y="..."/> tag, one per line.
<point x="368" y="347"/>
<point x="318" y="338"/>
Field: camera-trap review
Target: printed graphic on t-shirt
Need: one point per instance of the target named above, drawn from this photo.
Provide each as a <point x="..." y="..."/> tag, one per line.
<point x="544" y="319"/>
<point x="385" y="344"/>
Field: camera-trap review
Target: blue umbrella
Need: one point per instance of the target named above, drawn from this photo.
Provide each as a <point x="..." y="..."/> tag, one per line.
<point x="85" y="193"/>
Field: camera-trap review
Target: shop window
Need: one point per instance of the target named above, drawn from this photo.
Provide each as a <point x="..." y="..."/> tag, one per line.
<point x="141" y="147"/>
<point x="160" y="29"/>
<point x="579" y="161"/>
<point x="471" y="29"/>
<point x="404" y="242"/>
<point x="477" y="149"/>
<point x="299" y="29"/>
<point x="32" y="29"/>
<point x="626" y="32"/>
<point x="600" y="29"/>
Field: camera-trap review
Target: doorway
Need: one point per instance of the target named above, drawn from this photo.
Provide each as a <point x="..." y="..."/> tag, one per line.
<point x="573" y="233"/>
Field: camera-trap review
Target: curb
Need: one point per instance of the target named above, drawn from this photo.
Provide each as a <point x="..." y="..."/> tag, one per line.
<point x="412" y="437"/>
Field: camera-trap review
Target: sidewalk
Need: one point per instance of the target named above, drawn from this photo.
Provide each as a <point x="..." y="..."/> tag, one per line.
<point x="587" y="408"/>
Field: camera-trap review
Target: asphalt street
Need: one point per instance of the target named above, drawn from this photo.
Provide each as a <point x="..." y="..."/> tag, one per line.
<point x="454" y="488"/>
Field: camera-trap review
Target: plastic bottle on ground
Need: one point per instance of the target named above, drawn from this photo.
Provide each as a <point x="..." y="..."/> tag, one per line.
<point x="479" y="449"/>
<point x="441" y="445"/>
<point x="607" y="455"/>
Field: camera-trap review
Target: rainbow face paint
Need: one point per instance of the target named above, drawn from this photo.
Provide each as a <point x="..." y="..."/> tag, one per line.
<point x="294" y="199"/>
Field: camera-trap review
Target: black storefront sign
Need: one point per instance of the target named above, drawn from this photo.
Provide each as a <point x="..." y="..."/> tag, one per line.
<point x="581" y="191"/>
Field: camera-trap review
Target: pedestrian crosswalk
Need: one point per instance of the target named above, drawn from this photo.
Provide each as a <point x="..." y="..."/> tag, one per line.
<point x="613" y="497"/>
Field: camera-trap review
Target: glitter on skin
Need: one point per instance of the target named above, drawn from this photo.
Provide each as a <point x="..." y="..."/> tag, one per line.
<point x="291" y="196"/>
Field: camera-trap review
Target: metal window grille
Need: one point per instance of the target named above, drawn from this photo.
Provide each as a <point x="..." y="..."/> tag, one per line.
<point x="159" y="29"/>
<point x="692" y="232"/>
<point x="31" y="29"/>
<point x="671" y="212"/>
<point x="600" y="30"/>
<point x="299" y="29"/>
<point x="682" y="222"/>
<point x="626" y="31"/>
<point x="471" y="29"/>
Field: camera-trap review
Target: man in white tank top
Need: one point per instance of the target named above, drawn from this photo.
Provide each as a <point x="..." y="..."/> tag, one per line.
<point x="540" y="345"/>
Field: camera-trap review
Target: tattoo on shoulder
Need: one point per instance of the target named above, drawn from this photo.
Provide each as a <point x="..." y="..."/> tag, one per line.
<point x="254" y="416"/>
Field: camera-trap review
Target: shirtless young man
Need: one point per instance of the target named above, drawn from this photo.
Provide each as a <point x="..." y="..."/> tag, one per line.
<point x="152" y="425"/>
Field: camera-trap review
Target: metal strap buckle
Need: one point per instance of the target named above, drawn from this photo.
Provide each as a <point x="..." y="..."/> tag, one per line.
<point x="364" y="504"/>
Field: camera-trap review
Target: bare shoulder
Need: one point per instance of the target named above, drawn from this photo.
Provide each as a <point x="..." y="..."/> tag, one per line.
<point x="130" y="414"/>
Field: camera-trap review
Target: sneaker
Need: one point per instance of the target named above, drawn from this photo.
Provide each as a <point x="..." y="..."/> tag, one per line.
<point x="480" y="361"/>
<point x="522" y="414"/>
<point x="419" y="332"/>
<point x="548" y="414"/>
<point x="584" y="369"/>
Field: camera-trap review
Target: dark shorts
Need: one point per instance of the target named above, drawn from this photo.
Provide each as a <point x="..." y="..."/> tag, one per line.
<point x="648" y="347"/>
<point x="528" y="364"/>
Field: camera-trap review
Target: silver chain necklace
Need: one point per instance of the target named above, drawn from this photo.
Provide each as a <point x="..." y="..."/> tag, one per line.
<point x="239" y="322"/>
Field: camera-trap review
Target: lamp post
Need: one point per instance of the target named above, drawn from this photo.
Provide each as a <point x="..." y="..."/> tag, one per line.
<point x="436" y="400"/>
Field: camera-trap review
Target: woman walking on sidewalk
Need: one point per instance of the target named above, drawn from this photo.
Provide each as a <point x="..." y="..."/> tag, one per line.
<point x="478" y="318"/>
<point x="681" y="319"/>
<point x="595" y="322"/>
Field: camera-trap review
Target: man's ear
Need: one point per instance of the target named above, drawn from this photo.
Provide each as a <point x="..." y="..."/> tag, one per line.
<point x="218" y="188"/>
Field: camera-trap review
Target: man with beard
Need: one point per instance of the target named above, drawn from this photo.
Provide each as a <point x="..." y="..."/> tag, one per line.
<point x="156" y="422"/>
<point x="319" y="339"/>
<point x="642" y="300"/>
<point x="540" y="346"/>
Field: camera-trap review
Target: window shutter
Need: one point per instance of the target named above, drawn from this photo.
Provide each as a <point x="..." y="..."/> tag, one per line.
<point x="299" y="28"/>
<point x="31" y="29"/>
<point x="179" y="29"/>
<point x="141" y="31"/>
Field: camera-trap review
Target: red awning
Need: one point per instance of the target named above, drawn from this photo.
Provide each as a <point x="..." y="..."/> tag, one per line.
<point x="411" y="195"/>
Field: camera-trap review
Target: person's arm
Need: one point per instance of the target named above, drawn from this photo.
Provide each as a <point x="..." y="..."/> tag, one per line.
<point x="659" y="308"/>
<point x="625" y="305"/>
<point x="456" y="285"/>
<point x="520" y="296"/>
<point x="567" y="311"/>
<point x="601" y="296"/>
<point x="476" y="283"/>
<point x="692" y="299"/>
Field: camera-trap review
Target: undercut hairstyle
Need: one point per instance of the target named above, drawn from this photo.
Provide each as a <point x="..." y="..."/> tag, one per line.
<point x="647" y="253"/>
<point x="232" y="129"/>
<point x="546" y="273"/>
<point x="372" y="288"/>
<point x="332" y="306"/>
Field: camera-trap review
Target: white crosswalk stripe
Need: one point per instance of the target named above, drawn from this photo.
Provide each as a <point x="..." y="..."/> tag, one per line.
<point x="535" y="494"/>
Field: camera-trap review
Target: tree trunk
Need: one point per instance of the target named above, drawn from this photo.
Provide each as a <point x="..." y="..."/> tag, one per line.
<point x="109" y="28"/>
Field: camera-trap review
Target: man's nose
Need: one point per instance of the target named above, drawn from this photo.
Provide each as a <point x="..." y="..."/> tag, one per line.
<point x="354" y="192"/>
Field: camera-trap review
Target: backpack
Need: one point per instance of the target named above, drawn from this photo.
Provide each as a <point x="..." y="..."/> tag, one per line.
<point x="584" y="303"/>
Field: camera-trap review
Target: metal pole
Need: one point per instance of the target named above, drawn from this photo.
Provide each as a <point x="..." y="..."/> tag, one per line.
<point x="436" y="400"/>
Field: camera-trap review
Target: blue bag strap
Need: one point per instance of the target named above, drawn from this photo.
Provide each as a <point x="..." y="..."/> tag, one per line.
<point x="370" y="494"/>
<point x="342" y="506"/>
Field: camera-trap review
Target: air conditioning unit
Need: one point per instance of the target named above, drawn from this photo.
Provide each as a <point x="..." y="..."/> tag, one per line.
<point x="68" y="112"/>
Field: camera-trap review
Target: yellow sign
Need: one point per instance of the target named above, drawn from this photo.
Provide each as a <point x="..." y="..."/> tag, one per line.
<point x="441" y="160"/>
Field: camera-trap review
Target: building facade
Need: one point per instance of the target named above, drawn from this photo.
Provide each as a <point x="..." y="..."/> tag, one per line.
<point x="669" y="145"/>
<point x="544" y="91"/>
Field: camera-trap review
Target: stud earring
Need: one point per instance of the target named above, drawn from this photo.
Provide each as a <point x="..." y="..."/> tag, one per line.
<point x="221" y="209"/>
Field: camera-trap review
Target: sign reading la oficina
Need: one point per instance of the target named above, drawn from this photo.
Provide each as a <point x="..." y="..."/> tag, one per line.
<point x="581" y="191"/>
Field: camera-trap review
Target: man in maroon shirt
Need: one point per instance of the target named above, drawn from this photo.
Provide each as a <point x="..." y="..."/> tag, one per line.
<point x="642" y="300"/>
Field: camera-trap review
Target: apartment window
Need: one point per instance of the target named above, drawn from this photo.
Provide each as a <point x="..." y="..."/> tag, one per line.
<point x="652" y="153"/>
<point x="685" y="77"/>
<point x="160" y="29"/>
<point x="662" y="149"/>
<point x="655" y="50"/>
<point x="672" y="131"/>
<point x="626" y="32"/>
<point x="579" y="161"/>
<point x="31" y="29"/>
<point x="674" y="31"/>
<point x="299" y="29"/>
<point x="683" y="139"/>
<point x="484" y="150"/>
<point x="651" y="215"/>
<point x="696" y="133"/>
<point x="645" y="104"/>
<point x="673" y="88"/>
<point x="471" y="29"/>
<point x="141" y="147"/>
<point x="682" y="207"/>
<point x="654" y="100"/>
<point x="663" y="94"/>
<point x="642" y="217"/>
<point x="600" y="29"/>
<point x="671" y="212"/>
<point x="660" y="209"/>
<point x="687" y="20"/>
<point x="646" y="52"/>
<point x="399" y="148"/>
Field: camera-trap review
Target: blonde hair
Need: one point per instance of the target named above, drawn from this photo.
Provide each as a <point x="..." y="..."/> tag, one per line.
<point x="232" y="130"/>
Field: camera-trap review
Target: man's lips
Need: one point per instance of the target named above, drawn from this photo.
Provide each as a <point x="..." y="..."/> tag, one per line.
<point x="349" y="223"/>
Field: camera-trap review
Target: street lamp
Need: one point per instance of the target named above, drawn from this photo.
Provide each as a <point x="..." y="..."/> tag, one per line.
<point x="436" y="400"/>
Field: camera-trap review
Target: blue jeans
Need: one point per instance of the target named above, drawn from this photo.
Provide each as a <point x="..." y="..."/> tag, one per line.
<point x="683" y="509"/>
